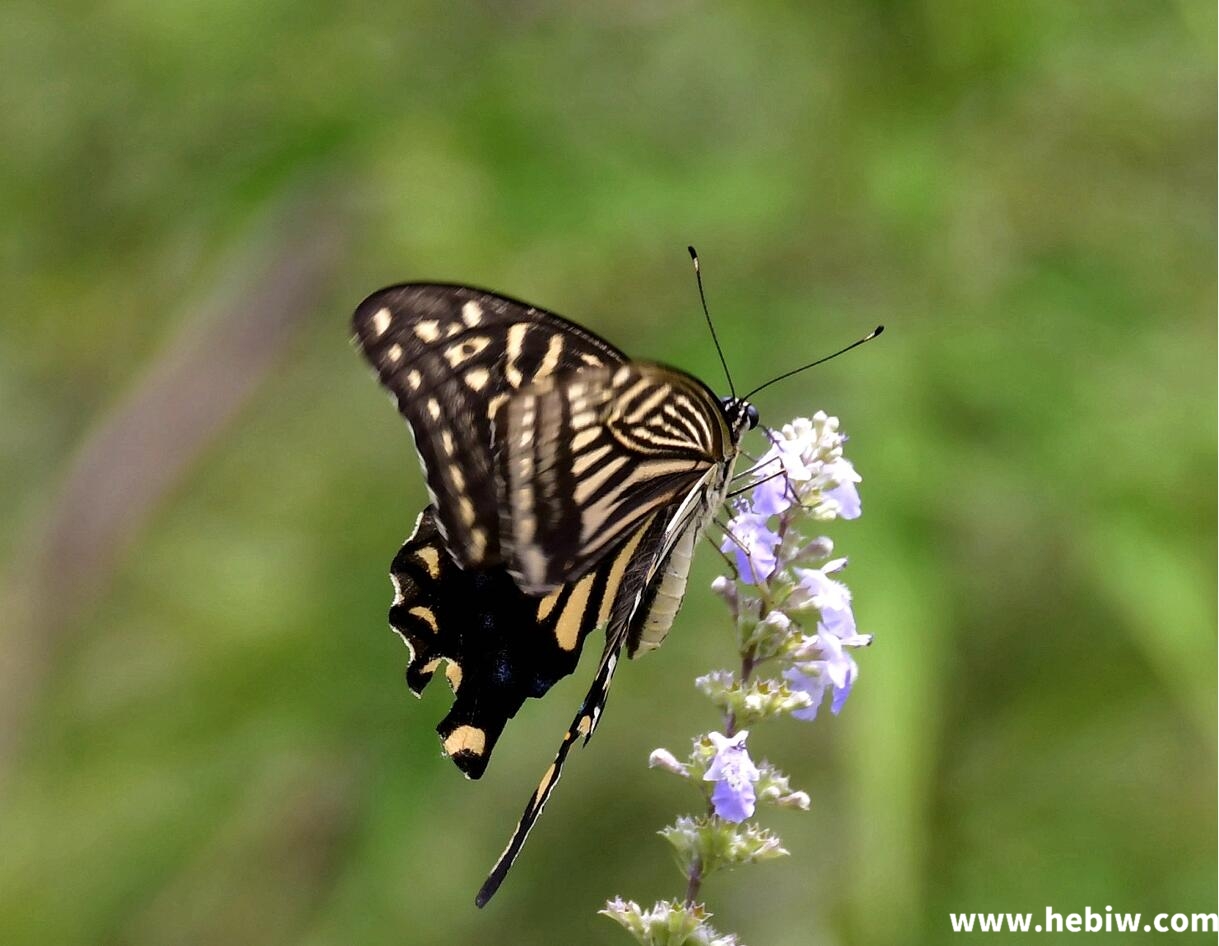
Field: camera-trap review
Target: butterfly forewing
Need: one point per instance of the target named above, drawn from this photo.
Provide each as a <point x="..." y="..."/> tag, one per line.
<point x="451" y="356"/>
<point x="586" y="457"/>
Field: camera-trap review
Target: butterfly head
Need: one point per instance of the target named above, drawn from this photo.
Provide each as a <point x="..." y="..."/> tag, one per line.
<point x="741" y="415"/>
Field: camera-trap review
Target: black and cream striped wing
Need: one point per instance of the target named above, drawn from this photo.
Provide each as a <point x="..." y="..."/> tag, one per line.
<point x="452" y="356"/>
<point x="587" y="456"/>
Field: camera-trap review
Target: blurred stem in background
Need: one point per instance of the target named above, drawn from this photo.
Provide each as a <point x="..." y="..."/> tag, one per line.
<point x="143" y="447"/>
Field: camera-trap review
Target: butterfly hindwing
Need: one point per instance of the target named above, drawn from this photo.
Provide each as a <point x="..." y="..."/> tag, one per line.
<point x="586" y="457"/>
<point x="451" y="356"/>
<point x="499" y="646"/>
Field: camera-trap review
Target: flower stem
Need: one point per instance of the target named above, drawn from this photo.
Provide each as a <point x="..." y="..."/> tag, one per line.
<point x="694" y="880"/>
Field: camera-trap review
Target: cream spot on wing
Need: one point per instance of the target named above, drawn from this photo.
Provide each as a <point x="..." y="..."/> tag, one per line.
<point x="446" y="442"/>
<point x="380" y="321"/>
<point x="462" y="352"/>
<point x="431" y="665"/>
<point x="477" y="378"/>
<point x="478" y="543"/>
<point x="584" y="726"/>
<point x="471" y="313"/>
<point x="452" y="672"/>
<point x="467" y="511"/>
<point x="430" y="558"/>
<point x="425" y="614"/>
<point x="465" y="739"/>
<point x="394" y="353"/>
<point x="433" y="408"/>
<point x="414" y="379"/>
<point x="427" y="330"/>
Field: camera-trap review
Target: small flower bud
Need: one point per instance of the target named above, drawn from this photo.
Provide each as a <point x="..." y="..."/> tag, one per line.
<point x="725" y="588"/>
<point x="797" y="800"/>
<point x="664" y="759"/>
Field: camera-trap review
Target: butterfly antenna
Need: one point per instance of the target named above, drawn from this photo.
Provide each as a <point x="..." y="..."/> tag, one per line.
<point x="820" y="361"/>
<point x="698" y="275"/>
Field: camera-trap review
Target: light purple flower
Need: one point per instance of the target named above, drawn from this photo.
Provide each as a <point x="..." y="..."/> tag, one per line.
<point x="835" y="667"/>
<point x="813" y="684"/>
<point x="771" y="496"/>
<point x="779" y="471"/>
<point x="816" y="589"/>
<point x="734" y="774"/>
<point x="752" y="541"/>
<point x="844" y="496"/>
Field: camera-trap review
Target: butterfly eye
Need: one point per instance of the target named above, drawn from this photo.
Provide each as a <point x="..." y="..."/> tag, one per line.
<point x="751" y="416"/>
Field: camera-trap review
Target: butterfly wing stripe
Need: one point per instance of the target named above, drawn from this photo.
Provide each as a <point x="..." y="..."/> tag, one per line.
<point x="587" y="456"/>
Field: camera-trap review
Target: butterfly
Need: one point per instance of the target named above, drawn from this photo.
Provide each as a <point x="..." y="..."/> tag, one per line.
<point x="568" y="484"/>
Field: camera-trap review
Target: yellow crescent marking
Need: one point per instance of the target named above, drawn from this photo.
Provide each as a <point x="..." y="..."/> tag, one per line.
<point x="465" y="739"/>
<point x="427" y="615"/>
<point x="430" y="559"/>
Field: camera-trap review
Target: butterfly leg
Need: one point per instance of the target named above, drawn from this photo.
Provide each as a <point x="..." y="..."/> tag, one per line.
<point x="584" y="724"/>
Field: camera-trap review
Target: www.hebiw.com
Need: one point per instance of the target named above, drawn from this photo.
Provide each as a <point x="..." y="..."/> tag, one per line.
<point x="1090" y="921"/>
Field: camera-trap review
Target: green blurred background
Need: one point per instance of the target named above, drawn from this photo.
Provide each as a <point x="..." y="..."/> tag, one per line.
<point x="204" y="733"/>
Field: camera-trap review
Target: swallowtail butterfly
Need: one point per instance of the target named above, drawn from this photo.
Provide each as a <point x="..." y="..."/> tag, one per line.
<point x="568" y="485"/>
